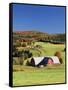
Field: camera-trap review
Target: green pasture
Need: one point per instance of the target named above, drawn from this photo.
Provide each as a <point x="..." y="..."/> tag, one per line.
<point x="32" y="75"/>
<point x="27" y="75"/>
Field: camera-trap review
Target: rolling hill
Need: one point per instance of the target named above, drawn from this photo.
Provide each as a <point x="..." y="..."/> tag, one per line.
<point x="40" y="36"/>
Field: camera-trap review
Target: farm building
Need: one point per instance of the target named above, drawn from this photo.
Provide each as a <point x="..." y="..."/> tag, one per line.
<point x="38" y="61"/>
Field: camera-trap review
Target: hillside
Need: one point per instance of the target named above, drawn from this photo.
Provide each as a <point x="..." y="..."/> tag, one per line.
<point x="40" y="36"/>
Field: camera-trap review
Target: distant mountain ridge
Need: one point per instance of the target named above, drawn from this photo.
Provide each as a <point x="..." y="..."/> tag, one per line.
<point x="29" y="32"/>
<point x="40" y="36"/>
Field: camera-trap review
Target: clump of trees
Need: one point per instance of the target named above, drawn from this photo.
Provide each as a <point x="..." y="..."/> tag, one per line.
<point x="58" y="54"/>
<point x="23" y="44"/>
<point x="21" y="55"/>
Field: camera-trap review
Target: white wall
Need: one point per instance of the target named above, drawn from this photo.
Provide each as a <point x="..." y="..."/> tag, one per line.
<point x="4" y="44"/>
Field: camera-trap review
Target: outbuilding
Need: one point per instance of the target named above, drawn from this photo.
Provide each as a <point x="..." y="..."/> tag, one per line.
<point x="38" y="61"/>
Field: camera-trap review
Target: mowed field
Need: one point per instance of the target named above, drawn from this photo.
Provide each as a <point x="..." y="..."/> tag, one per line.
<point x="28" y="75"/>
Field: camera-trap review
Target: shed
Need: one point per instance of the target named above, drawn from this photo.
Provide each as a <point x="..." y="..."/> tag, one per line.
<point x="37" y="61"/>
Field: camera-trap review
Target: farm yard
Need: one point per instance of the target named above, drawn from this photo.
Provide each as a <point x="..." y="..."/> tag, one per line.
<point x="50" y="74"/>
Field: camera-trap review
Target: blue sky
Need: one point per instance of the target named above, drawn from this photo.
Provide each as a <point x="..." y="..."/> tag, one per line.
<point x="39" y="18"/>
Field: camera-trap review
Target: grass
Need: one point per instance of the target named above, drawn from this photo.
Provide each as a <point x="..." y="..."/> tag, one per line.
<point x="33" y="76"/>
<point x="26" y="75"/>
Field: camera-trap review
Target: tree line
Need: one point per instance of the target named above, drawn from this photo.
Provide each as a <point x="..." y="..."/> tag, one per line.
<point x="45" y="37"/>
